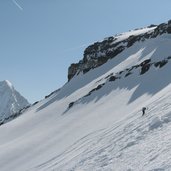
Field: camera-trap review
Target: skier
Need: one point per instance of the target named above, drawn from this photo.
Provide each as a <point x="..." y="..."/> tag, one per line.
<point x="143" y="111"/>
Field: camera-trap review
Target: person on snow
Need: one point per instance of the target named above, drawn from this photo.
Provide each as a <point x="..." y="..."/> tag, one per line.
<point x="143" y="111"/>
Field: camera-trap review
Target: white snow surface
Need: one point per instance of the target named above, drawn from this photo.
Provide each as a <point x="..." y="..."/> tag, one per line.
<point x="123" y="36"/>
<point x="10" y="100"/>
<point x="101" y="132"/>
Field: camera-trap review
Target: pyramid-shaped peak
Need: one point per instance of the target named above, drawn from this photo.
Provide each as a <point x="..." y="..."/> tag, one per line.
<point x="11" y="100"/>
<point x="6" y="83"/>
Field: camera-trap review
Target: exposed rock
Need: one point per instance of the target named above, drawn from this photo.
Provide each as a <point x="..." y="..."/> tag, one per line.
<point x="127" y="74"/>
<point x="112" y="78"/>
<point x="132" y="39"/>
<point x="71" y="105"/>
<point x="160" y="64"/>
<point x="109" y="76"/>
<point x="169" y="57"/>
<point x="35" y="103"/>
<point x="144" y="68"/>
<point x="99" y="53"/>
<point x="169" y="30"/>
<point x="152" y="25"/>
<point x="95" y="89"/>
<point x="169" y="27"/>
<point x="52" y="93"/>
<point x="120" y="72"/>
<point x="145" y="62"/>
<point x="160" y="29"/>
<point x="133" y="67"/>
<point x="72" y="70"/>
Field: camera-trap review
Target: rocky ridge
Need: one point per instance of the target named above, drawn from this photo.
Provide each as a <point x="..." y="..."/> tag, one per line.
<point x="99" y="53"/>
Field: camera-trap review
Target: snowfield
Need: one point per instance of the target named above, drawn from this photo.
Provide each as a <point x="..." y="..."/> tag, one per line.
<point x="103" y="130"/>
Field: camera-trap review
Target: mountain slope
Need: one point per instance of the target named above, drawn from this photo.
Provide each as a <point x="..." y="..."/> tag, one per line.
<point x="11" y="101"/>
<point x="94" y="121"/>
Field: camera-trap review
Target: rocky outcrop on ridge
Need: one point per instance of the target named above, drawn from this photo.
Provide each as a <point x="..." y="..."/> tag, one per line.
<point x="142" y="68"/>
<point x="99" y="53"/>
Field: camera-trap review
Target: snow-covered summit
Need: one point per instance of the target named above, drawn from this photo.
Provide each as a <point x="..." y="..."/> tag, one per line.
<point x="10" y="100"/>
<point x="7" y="83"/>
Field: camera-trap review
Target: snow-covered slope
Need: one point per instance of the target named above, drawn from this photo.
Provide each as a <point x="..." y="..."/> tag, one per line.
<point x="10" y="100"/>
<point x="94" y="122"/>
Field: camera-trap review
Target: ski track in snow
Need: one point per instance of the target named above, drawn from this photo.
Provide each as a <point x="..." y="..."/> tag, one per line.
<point x="119" y="146"/>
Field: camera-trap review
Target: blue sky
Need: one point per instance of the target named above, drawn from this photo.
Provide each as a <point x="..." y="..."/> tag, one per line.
<point x="39" y="39"/>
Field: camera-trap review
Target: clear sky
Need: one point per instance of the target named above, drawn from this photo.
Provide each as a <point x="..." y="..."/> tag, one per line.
<point x="39" y="39"/>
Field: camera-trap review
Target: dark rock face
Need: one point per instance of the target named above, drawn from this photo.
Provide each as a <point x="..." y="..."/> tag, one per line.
<point x="152" y="25"/>
<point x="160" y="64"/>
<point x="145" y="62"/>
<point x="71" y="104"/>
<point x="99" y="53"/>
<point x="169" y="27"/>
<point x="169" y="30"/>
<point x="112" y="78"/>
<point x="132" y="40"/>
<point x="144" y="68"/>
<point x="72" y="70"/>
<point x="127" y="74"/>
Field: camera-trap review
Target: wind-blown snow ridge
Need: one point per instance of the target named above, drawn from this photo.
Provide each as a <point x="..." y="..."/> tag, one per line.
<point x="9" y="83"/>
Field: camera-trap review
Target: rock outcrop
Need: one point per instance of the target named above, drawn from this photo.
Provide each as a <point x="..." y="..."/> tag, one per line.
<point x="99" y="53"/>
<point x="142" y="68"/>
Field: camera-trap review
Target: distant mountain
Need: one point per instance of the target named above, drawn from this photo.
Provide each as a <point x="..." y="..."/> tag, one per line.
<point x="10" y="100"/>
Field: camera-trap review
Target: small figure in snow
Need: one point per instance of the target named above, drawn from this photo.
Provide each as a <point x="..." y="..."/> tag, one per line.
<point x="143" y="111"/>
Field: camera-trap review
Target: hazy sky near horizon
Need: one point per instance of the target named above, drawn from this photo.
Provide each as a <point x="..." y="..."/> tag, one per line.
<point x="39" y="39"/>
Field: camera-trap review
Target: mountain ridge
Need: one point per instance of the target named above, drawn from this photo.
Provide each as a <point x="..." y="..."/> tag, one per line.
<point x="94" y="122"/>
<point x="99" y="53"/>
